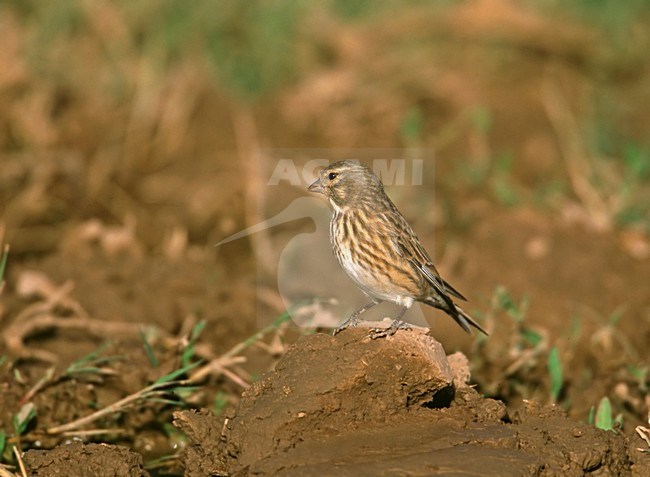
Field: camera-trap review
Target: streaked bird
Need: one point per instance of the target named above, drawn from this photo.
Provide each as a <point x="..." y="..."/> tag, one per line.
<point x="378" y="249"/>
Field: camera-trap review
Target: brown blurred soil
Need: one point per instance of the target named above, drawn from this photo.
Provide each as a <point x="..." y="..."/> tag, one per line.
<point x="85" y="460"/>
<point x="112" y="204"/>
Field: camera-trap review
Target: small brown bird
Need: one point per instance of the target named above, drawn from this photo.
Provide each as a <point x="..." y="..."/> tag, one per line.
<point x="378" y="249"/>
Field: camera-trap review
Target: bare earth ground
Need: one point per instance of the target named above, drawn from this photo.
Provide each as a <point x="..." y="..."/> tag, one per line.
<point x="112" y="213"/>
<point x="393" y="407"/>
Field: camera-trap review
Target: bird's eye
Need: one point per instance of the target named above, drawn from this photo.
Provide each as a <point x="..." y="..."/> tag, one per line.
<point x="332" y="175"/>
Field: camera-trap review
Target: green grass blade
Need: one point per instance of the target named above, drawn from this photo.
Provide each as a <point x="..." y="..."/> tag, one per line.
<point x="169" y="402"/>
<point x="604" y="418"/>
<point x="556" y="373"/>
<point x="148" y="349"/>
<point x="3" y="261"/>
<point x="188" y="352"/>
<point x="175" y="374"/>
<point x="90" y="360"/>
<point x="21" y="420"/>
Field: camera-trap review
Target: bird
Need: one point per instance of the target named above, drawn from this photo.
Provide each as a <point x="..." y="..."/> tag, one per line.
<point x="379" y="251"/>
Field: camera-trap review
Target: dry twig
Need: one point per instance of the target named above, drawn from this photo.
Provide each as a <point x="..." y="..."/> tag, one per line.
<point x="21" y="464"/>
<point x="15" y="334"/>
<point x="152" y="391"/>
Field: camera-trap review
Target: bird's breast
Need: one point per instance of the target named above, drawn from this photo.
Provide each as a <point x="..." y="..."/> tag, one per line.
<point x="370" y="261"/>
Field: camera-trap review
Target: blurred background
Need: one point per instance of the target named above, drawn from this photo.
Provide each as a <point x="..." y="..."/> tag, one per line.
<point x="132" y="139"/>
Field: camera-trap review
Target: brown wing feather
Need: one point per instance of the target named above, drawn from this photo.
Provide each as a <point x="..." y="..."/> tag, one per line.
<point x="408" y="245"/>
<point x="412" y="250"/>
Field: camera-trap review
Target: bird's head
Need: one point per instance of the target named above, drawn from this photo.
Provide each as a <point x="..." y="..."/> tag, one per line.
<point x="347" y="184"/>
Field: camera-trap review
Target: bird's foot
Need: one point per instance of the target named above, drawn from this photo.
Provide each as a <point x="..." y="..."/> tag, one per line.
<point x="349" y="323"/>
<point x="390" y="331"/>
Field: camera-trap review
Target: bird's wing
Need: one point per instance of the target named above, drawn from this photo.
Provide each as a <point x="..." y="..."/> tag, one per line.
<point x="410" y="247"/>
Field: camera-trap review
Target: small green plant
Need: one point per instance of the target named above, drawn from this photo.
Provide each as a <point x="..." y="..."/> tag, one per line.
<point x="517" y="311"/>
<point x="92" y="363"/>
<point x="190" y="348"/>
<point x="161" y="391"/>
<point x="24" y="417"/>
<point x="556" y="373"/>
<point x="526" y="349"/>
<point x="603" y="418"/>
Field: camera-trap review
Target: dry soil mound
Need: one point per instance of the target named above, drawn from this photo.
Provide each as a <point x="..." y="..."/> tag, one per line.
<point x="347" y="405"/>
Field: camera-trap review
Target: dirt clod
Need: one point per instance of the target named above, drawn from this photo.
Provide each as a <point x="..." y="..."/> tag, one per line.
<point x="84" y="460"/>
<point x="350" y="406"/>
<point x="203" y="457"/>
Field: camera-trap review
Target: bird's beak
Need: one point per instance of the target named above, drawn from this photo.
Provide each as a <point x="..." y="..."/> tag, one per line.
<point x="316" y="187"/>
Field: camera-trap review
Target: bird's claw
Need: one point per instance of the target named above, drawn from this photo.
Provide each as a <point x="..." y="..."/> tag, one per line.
<point x="349" y="323"/>
<point x="377" y="333"/>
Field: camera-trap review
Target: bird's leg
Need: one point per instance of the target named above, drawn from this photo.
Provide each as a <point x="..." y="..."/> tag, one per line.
<point x="354" y="319"/>
<point x="397" y="324"/>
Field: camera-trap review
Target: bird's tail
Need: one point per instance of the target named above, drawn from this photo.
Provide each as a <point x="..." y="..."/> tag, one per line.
<point x="456" y="312"/>
<point x="464" y="320"/>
